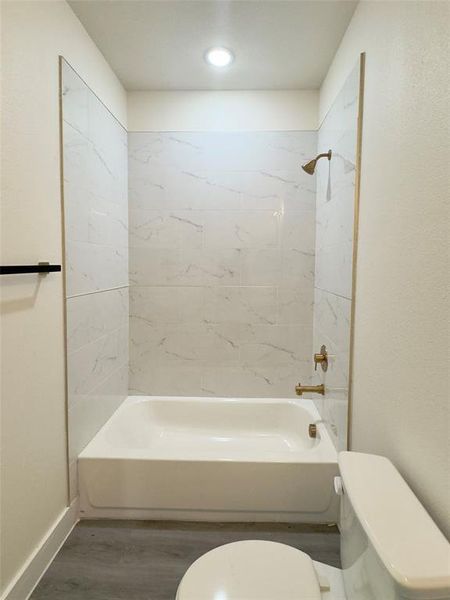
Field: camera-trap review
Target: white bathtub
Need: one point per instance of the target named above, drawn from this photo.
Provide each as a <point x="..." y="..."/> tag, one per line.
<point x="210" y="459"/>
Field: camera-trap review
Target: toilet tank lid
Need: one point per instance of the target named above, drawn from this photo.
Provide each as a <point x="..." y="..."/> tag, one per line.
<point x="406" y="539"/>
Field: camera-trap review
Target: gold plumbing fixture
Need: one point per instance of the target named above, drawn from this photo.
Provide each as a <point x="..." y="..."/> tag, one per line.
<point x="321" y="358"/>
<point x="313" y="389"/>
<point x="310" y="166"/>
<point x="312" y="430"/>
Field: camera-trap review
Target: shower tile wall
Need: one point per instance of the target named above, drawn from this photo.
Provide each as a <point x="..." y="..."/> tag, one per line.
<point x="96" y="240"/>
<point x="222" y="232"/>
<point x="334" y="251"/>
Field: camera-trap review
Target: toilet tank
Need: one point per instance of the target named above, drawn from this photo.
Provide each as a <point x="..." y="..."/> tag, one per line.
<point x="390" y="547"/>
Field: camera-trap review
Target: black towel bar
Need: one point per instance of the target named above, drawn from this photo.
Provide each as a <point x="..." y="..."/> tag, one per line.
<point x="39" y="268"/>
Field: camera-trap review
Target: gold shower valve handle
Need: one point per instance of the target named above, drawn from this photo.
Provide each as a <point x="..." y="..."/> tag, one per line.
<point x="321" y="358"/>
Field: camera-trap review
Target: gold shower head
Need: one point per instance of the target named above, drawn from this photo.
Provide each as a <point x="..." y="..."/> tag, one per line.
<point x="310" y="166"/>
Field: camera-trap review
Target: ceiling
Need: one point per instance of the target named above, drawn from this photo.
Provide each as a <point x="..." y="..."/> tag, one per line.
<point x="159" y="45"/>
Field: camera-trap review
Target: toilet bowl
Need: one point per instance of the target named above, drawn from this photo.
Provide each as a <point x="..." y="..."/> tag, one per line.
<point x="390" y="550"/>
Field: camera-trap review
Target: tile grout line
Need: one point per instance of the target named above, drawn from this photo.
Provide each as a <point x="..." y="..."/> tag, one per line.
<point x="111" y="289"/>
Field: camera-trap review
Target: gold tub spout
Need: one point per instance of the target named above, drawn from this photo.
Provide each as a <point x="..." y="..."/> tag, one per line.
<point x="313" y="389"/>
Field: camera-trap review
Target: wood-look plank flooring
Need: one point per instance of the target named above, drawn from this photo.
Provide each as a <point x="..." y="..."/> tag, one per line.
<point x="145" y="560"/>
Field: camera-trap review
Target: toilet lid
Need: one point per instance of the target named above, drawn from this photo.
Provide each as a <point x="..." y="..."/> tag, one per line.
<point x="251" y="570"/>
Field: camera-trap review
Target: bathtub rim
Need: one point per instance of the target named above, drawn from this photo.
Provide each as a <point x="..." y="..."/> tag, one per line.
<point x="323" y="452"/>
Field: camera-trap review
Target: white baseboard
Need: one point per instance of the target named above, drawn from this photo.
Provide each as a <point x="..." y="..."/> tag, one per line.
<point x="29" y="576"/>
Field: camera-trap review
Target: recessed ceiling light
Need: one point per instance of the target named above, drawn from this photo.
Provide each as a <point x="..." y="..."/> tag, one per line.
<point x="219" y="57"/>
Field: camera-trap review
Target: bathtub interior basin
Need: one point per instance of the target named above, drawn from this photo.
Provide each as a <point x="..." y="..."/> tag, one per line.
<point x="211" y="428"/>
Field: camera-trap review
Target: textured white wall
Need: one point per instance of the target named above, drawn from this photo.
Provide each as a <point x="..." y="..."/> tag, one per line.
<point x="34" y="469"/>
<point x="223" y="111"/>
<point x="400" y="394"/>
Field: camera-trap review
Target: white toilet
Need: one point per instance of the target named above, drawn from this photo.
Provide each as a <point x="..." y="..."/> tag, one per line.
<point x="390" y="550"/>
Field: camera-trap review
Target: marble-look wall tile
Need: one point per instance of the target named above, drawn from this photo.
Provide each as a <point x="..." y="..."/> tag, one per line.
<point x="185" y="267"/>
<point x="266" y="382"/>
<point x="277" y="345"/>
<point x="93" y="316"/>
<point x="149" y="379"/>
<point x="240" y="304"/>
<point x="295" y="305"/>
<point x="166" y="229"/>
<point x="221" y="262"/>
<point x="96" y="235"/>
<point x="93" y="409"/>
<point x="261" y="266"/>
<point x="93" y="267"/>
<point x="95" y="361"/>
<point x="221" y="151"/>
<point x="95" y="191"/>
<point x="167" y="304"/>
<point x="334" y="256"/>
<point x="76" y="108"/>
<point x="241" y="229"/>
<point x="334" y="268"/>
